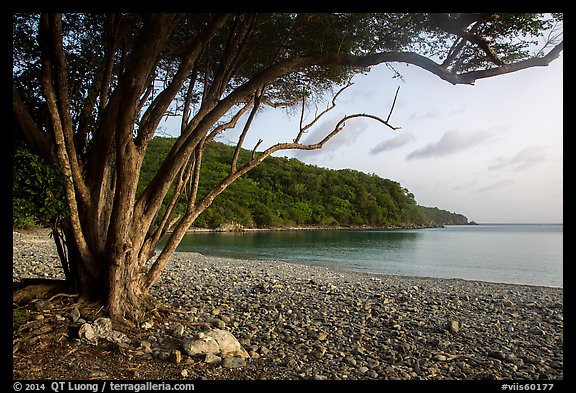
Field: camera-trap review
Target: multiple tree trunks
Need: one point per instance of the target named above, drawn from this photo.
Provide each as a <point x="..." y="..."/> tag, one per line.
<point x="96" y="121"/>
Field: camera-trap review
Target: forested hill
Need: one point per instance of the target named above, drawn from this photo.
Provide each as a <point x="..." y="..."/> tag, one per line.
<point x="288" y="193"/>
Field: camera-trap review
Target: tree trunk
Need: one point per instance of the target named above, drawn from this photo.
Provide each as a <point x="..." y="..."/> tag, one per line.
<point x="126" y="296"/>
<point x="118" y="283"/>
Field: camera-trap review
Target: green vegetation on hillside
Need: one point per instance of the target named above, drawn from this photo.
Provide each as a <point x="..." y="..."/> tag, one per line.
<point x="287" y="193"/>
<point x="279" y="193"/>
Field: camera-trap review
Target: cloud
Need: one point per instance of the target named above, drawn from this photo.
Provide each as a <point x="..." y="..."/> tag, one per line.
<point x="424" y="116"/>
<point x="495" y="186"/>
<point x="451" y="142"/>
<point x="433" y="114"/>
<point x="524" y="159"/>
<point x="528" y="157"/>
<point x="390" y="144"/>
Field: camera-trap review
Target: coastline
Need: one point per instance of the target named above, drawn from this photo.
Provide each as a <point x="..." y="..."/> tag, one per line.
<point x="234" y="227"/>
<point x="305" y="322"/>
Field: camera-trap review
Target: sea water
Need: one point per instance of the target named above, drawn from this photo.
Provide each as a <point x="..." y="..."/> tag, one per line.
<point x="509" y="253"/>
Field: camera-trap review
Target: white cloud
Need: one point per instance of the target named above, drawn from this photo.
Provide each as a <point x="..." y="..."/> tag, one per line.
<point x="390" y="144"/>
<point x="495" y="186"/>
<point x="451" y="142"/>
<point x="524" y="159"/>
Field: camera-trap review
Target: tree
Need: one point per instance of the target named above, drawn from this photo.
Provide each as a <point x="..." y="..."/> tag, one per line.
<point x="89" y="92"/>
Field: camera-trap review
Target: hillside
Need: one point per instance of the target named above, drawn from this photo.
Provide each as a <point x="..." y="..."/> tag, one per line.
<point x="288" y="193"/>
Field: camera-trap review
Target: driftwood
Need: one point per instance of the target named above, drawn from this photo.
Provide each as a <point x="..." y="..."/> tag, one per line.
<point x="30" y="289"/>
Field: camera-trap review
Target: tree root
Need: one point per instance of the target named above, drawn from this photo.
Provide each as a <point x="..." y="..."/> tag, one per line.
<point x="40" y="289"/>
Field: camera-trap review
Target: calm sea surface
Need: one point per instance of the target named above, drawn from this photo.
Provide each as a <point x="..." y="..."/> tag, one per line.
<point x="508" y="253"/>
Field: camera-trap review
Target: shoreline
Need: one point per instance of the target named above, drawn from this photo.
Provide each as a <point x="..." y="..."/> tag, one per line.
<point x="233" y="227"/>
<point x="310" y="322"/>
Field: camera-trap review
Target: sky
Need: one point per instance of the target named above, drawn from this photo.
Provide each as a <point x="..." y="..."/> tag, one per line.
<point x="492" y="151"/>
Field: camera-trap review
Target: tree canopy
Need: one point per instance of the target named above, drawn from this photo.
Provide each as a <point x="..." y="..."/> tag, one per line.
<point x="90" y="90"/>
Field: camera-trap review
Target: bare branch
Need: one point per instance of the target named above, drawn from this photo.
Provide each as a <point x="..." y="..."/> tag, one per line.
<point x="304" y="129"/>
<point x="393" y="103"/>
<point x="257" y="98"/>
<point x="255" y="148"/>
<point x="230" y="124"/>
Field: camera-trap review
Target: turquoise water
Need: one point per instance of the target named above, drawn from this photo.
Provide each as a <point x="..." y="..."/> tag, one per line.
<point x="519" y="254"/>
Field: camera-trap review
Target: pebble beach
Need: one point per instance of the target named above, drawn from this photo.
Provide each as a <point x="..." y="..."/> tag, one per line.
<point x="304" y="322"/>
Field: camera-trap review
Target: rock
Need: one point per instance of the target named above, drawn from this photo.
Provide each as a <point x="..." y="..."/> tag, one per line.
<point x="233" y="362"/>
<point x="146" y="346"/>
<point x="508" y="303"/>
<point x="453" y="326"/>
<point x="497" y="355"/>
<point x="230" y="226"/>
<point x="203" y="345"/>
<point x="263" y="350"/>
<point x="97" y="374"/>
<point x="219" y="324"/>
<point x="101" y="328"/>
<point x="212" y="359"/>
<point x="41" y="305"/>
<point x="176" y="356"/>
<point x="74" y="315"/>
<point x="217" y="342"/>
<point x="147" y="325"/>
<point x="322" y="336"/>
<point x="510" y="358"/>
<point x="291" y="362"/>
<point x="163" y="355"/>
<point x="88" y="333"/>
<point x="319" y="353"/>
<point x="349" y="360"/>
<point x="178" y="330"/>
<point x="225" y="318"/>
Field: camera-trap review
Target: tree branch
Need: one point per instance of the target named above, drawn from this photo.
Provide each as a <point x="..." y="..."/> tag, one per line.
<point x="255" y="107"/>
<point x="56" y="80"/>
<point x="194" y="210"/>
<point x="393" y="104"/>
<point x="472" y="76"/>
<point x="458" y="27"/>
<point x="62" y="153"/>
<point x="25" y="122"/>
<point x="160" y="104"/>
<point x="304" y="129"/>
